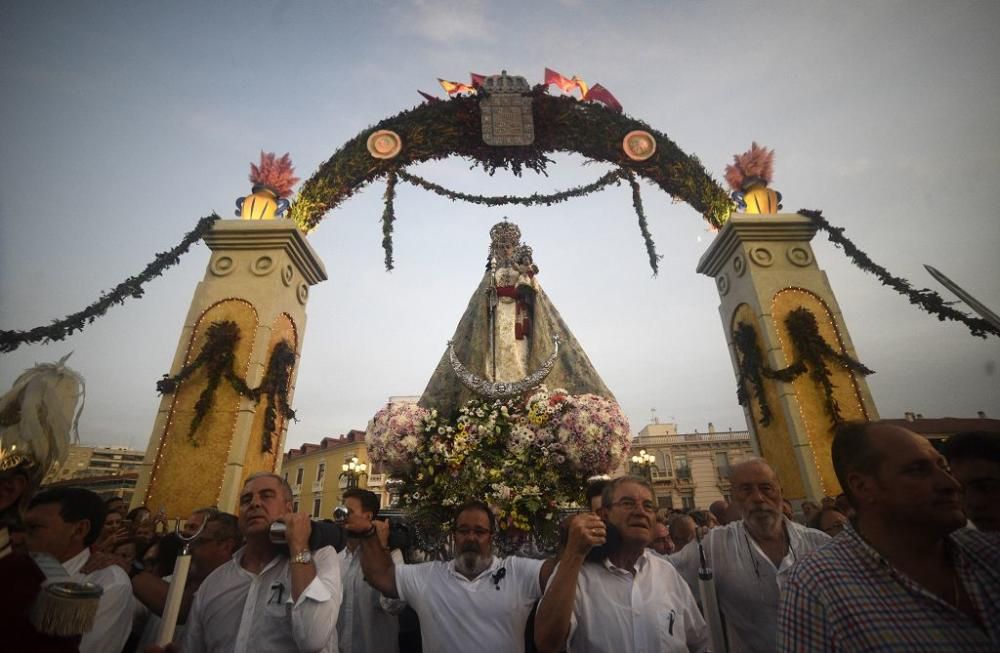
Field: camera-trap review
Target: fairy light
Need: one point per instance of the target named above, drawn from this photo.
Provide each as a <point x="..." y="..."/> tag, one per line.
<point x="780" y="328"/>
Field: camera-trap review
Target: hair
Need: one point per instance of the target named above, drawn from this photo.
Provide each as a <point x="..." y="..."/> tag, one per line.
<point x="674" y="521"/>
<point x="608" y="494"/>
<point x="112" y="499"/>
<point x="369" y="500"/>
<point x="132" y="514"/>
<point x="752" y="460"/>
<point x="228" y="527"/>
<point x="475" y="505"/>
<point x="972" y="445"/>
<point x="853" y="451"/>
<point x="75" y="505"/>
<point x="208" y="511"/>
<point x="596" y="489"/>
<point x="280" y="479"/>
<point x="700" y="517"/>
<point x="168" y="548"/>
<point x="817" y="520"/>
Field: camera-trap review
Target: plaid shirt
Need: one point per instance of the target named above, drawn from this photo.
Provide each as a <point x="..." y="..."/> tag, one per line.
<point x="847" y="597"/>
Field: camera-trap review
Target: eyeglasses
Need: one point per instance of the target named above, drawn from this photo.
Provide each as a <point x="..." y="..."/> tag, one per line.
<point x="628" y="503"/>
<point x="476" y="532"/>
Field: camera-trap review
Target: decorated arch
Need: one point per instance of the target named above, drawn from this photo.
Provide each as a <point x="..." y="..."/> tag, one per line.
<point x="439" y="129"/>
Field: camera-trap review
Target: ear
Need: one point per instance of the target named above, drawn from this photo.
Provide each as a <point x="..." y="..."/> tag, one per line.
<point x="80" y="530"/>
<point x="862" y="487"/>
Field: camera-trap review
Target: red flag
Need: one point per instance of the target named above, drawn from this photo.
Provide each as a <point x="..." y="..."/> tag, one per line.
<point x="601" y="94"/>
<point x="428" y="96"/>
<point x="477" y="79"/>
<point x="552" y="77"/>
<point x="455" y="87"/>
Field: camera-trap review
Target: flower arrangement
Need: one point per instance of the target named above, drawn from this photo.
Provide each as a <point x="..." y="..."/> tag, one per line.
<point x="275" y="173"/>
<point x="527" y="457"/>
<point x="756" y="165"/>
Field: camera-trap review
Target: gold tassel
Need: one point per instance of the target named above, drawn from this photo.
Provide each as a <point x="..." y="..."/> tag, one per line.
<point x="66" y="609"/>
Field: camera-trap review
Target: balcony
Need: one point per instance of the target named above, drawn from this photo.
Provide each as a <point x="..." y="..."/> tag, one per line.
<point x="683" y="474"/>
<point x="318" y="485"/>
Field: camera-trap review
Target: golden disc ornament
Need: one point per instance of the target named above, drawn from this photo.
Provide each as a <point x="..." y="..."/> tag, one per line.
<point x="639" y="145"/>
<point x="384" y="144"/>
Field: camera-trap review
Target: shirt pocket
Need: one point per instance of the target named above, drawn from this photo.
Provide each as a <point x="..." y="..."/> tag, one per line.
<point x="670" y="631"/>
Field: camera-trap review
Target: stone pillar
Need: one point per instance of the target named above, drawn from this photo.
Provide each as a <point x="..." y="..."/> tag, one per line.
<point x="258" y="277"/>
<point x="764" y="268"/>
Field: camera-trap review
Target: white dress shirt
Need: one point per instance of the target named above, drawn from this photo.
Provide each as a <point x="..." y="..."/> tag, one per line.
<point x="113" y="622"/>
<point x="367" y="622"/>
<point x="747" y="583"/>
<point x="236" y="610"/>
<point x="650" y="612"/>
<point x="486" y="614"/>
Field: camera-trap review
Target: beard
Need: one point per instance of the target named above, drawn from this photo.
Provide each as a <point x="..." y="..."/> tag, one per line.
<point x="763" y="520"/>
<point x="472" y="563"/>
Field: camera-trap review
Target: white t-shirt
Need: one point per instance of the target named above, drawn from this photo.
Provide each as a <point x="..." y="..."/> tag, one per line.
<point x="486" y="614"/>
<point x="650" y="612"/>
<point x="113" y="622"/>
<point x="747" y="583"/>
<point x="235" y="610"/>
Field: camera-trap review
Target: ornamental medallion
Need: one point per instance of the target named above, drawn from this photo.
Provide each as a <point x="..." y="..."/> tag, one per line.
<point x="506" y="111"/>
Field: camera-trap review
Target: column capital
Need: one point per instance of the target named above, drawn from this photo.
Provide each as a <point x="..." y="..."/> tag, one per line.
<point x="757" y="228"/>
<point x="269" y="234"/>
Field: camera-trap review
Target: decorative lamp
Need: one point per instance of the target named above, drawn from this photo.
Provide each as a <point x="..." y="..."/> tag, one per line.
<point x="272" y="182"/>
<point x="749" y="176"/>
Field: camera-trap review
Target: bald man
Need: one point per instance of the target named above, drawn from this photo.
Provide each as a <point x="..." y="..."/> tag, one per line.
<point x="904" y="576"/>
<point x="751" y="557"/>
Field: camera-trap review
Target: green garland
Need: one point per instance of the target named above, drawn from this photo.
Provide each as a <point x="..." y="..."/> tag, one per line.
<point x="218" y="356"/>
<point x="924" y="298"/>
<point x="131" y="287"/>
<point x="753" y="370"/>
<point x="436" y="130"/>
<point x="812" y="352"/>
<point x="388" y="217"/>
<point x="654" y="258"/>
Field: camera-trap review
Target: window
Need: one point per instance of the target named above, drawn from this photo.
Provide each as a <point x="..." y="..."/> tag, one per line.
<point x="688" y="502"/>
<point x="298" y="476"/>
<point x="295" y="506"/>
<point x="321" y="472"/>
<point x="666" y="501"/>
<point x="663" y="463"/>
<point x="316" y="505"/>
<point x="722" y="463"/>
<point x="681" y="466"/>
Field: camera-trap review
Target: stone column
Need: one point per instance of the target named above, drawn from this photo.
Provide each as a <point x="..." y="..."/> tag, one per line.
<point x="258" y="277"/>
<point x="764" y="268"/>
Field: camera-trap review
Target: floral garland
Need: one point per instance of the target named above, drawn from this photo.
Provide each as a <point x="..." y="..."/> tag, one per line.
<point x="753" y="370"/>
<point x="436" y="130"/>
<point x="526" y="457"/>
<point x="535" y="199"/>
<point x="218" y="356"/>
<point x="131" y="287"/>
<point x="924" y="298"/>
<point x="812" y="352"/>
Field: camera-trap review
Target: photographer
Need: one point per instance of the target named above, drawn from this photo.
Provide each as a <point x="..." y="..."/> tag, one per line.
<point x="268" y="598"/>
<point x="368" y="621"/>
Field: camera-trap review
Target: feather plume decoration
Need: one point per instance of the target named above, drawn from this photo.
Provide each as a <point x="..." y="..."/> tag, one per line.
<point x="274" y="172"/>
<point x="756" y="164"/>
<point x="38" y="417"/>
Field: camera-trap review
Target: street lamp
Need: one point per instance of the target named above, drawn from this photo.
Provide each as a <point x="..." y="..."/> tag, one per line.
<point x="645" y="462"/>
<point x="353" y="470"/>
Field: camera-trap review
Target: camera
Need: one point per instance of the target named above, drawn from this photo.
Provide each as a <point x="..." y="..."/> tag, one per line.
<point x="323" y="533"/>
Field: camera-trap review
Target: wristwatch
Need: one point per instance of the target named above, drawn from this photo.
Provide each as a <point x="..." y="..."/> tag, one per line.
<point x="303" y="558"/>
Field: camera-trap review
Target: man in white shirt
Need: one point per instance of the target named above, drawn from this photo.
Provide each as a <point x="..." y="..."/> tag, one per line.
<point x="368" y="621"/>
<point x="267" y="599"/>
<point x="476" y="601"/>
<point x="751" y="558"/>
<point x="64" y="522"/>
<point x="630" y="600"/>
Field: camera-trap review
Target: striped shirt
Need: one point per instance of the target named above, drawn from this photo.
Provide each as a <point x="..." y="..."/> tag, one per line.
<point x="847" y="597"/>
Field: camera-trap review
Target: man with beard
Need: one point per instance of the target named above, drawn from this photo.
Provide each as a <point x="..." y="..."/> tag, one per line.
<point x="626" y="599"/>
<point x="904" y="575"/>
<point x="751" y="557"/>
<point x="477" y="601"/>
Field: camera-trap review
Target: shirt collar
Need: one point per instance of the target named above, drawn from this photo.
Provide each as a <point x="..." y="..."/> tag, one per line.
<point x="76" y="563"/>
<point x="238" y="559"/>
<point x="640" y="564"/>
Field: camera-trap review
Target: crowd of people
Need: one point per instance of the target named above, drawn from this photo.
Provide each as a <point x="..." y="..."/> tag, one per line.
<point x="906" y="559"/>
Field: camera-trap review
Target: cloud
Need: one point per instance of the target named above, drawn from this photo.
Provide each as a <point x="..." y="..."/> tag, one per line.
<point x="449" y="21"/>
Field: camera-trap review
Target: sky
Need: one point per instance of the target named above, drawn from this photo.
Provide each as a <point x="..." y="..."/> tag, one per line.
<point x="124" y="123"/>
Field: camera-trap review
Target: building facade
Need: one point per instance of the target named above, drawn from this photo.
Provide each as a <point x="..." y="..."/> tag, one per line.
<point x="689" y="470"/>
<point x="109" y="471"/>
<point x="317" y="477"/>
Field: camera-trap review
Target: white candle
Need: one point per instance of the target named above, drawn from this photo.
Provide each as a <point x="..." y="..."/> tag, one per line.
<point x="174" y="596"/>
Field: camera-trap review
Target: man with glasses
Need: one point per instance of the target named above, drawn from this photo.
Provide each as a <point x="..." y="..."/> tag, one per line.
<point x="751" y="557"/>
<point x="476" y="601"/>
<point x="621" y="598"/>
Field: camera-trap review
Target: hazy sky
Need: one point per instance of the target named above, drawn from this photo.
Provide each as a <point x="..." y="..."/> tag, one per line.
<point x="123" y="123"/>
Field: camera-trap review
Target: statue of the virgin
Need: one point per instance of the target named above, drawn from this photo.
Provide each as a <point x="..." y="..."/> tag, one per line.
<point x="509" y="332"/>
